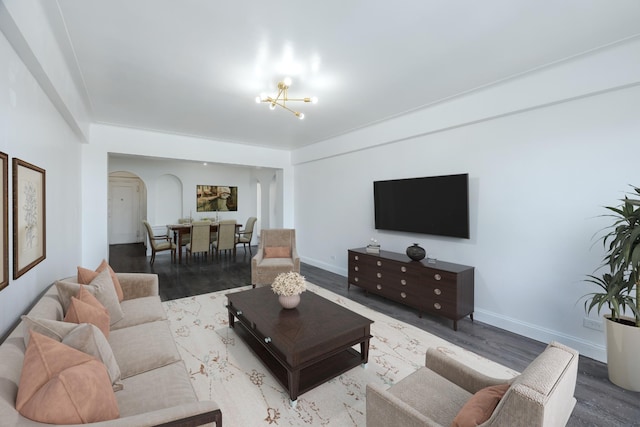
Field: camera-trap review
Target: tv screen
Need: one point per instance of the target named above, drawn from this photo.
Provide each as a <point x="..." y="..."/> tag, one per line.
<point x="436" y="205"/>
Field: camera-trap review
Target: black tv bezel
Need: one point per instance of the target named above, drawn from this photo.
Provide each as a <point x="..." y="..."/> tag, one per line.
<point x="465" y="231"/>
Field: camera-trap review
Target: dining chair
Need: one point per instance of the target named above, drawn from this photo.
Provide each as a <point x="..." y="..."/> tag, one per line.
<point x="245" y="236"/>
<point x="159" y="243"/>
<point x="199" y="238"/>
<point x="226" y="239"/>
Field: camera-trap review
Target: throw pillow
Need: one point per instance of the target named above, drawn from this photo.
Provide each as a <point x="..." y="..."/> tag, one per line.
<point x="277" y="252"/>
<point x="82" y="312"/>
<point x="85" y="276"/>
<point x="479" y="408"/>
<point x="47" y="327"/>
<point x="101" y="287"/>
<point x="61" y="385"/>
<point x="89" y="339"/>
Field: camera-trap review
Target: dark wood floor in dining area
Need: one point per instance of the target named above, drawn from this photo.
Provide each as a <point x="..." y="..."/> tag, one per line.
<point x="600" y="403"/>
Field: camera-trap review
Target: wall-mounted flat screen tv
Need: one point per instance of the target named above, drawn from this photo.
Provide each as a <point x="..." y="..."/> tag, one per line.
<point x="437" y="205"/>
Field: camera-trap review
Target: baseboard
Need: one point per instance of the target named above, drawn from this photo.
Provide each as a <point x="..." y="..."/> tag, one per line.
<point x="332" y="268"/>
<point x="586" y="348"/>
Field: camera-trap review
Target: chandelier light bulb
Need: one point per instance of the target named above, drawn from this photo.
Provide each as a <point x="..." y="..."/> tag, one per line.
<point x="272" y="106"/>
<point x="314" y="100"/>
<point x="287" y="81"/>
<point x="300" y="115"/>
<point x="258" y="100"/>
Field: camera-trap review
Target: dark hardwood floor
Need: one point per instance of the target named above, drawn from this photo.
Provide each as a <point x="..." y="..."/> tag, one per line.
<point x="600" y="403"/>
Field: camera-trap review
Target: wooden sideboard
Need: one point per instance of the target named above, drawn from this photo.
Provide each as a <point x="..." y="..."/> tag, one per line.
<point x="440" y="288"/>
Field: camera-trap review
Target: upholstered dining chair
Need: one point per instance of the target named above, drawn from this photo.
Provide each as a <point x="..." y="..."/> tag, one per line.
<point x="276" y="254"/>
<point x="199" y="238"/>
<point x="159" y="243"/>
<point x="226" y="237"/>
<point x="245" y="236"/>
<point x="446" y="392"/>
<point x="187" y="237"/>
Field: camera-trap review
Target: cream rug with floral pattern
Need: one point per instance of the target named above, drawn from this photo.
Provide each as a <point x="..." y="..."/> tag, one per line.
<point x="225" y="370"/>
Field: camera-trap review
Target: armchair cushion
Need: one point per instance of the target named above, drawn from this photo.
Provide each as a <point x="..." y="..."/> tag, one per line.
<point x="277" y="252"/>
<point x="479" y="408"/>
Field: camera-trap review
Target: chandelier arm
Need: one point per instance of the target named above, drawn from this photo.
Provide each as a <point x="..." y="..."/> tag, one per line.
<point x="287" y="108"/>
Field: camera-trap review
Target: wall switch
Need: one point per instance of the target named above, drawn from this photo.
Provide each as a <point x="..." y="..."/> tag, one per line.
<point x="595" y="324"/>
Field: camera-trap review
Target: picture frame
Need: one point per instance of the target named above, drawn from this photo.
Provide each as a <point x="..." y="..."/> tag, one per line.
<point x="29" y="217"/>
<point x="216" y="198"/>
<point x="4" y="227"/>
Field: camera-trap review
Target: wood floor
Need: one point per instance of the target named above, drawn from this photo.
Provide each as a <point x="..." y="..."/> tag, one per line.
<point x="600" y="403"/>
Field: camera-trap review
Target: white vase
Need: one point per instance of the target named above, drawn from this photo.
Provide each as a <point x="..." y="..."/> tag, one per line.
<point x="289" y="301"/>
<point x="623" y="347"/>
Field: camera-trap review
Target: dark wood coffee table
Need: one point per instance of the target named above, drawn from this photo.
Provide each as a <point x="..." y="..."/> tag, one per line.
<point x="302" y="347"/>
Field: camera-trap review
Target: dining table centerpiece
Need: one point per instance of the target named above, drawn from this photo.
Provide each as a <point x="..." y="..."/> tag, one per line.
<point x="288" y="286"/>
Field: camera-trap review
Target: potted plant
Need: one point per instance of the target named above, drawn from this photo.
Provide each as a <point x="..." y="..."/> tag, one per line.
<point x="620" y="293"/>
<point x="288" y="286"/>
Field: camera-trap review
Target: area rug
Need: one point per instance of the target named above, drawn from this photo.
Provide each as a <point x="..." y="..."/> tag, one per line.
<point x="224" y="369"/>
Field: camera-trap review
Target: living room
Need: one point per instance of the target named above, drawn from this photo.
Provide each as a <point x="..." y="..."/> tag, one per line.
<point x="545" y="150"/>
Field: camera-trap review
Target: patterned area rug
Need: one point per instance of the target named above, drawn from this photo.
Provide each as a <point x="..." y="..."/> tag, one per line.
<point x="225" y="370"/>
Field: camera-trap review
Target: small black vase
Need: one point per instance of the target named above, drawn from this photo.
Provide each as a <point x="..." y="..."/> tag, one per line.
<point x="416" y="252"/>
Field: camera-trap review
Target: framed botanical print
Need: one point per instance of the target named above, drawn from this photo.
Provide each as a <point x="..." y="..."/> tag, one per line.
<point x="4" y="227"/>
<point x="29" y="216"/>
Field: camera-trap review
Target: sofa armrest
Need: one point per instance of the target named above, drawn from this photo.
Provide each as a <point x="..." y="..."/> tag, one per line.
<point x="138" y="285"/>
<point x="459" y="373"/>
<point x="383" y="409"/>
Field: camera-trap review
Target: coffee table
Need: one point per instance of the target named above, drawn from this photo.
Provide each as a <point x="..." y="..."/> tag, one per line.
<point x="302" y="347"/>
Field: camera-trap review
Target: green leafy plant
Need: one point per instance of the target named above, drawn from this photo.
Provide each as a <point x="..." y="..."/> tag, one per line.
<point x="622" y="261"/>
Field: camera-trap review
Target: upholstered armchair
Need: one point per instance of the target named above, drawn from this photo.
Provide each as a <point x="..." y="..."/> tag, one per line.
<point x="446" y="390"/>
<point x="276" y="254"/>
<point x="159" y="243"/>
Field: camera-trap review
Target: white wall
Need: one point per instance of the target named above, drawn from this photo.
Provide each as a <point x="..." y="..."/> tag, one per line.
<point x="33" y="130"/>
<point x="538" y="178"/>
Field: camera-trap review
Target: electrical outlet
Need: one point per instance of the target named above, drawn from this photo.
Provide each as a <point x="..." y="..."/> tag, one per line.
<point x="593" y="324"/>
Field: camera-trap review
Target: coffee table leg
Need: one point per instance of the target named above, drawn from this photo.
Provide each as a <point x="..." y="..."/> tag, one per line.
<point x="293" y="378"/>
<point x="364" y="352"/>
<point x="232" y="319"/>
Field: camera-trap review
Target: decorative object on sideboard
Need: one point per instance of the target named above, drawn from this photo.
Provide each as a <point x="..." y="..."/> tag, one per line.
<point x="373" y="247"/>
<point x="416" y="252"/>
<point x="288" y="286"/>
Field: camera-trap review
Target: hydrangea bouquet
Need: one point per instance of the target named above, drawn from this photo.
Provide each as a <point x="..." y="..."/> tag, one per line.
<point x="287" y="284"/>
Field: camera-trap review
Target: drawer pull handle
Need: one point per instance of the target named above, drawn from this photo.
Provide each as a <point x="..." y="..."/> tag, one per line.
<point x="437" y="277"/>
<point x="356" y="268"/>
<point x="437" y="291"/>
<point x="437" y="306"/>
<point x="356" y="258"/>
<point x="355" y="279"/>
<point x="403" y="269"/>
<point x="403" y="295"/>
<point x="267" y="340"/>
<point x="239" y="313"/>
<point x="403" y="282"/>
<point x="378" y="287"/>
<point x="379" y="263"/>
<point x="379" y="275"/>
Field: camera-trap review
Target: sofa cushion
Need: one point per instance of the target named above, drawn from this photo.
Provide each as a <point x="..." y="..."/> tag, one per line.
<point x="140" y="310"/>
<point x="61" y="385"/>
<point x="83" y="312"/>
<point x="85" y="276"/>
<point x="143" y="347"/>
<point x="89" y="339"/>
<point x="54" y="329"/>
<point x="277" y="252"/>
<point x="101" y="287"/>
<point x="479" y="408"/>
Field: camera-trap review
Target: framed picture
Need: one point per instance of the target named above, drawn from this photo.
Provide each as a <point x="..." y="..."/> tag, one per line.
<point x="29" y="217"/>
<point x="4" y="228"/>
<point x="216" y="198"/>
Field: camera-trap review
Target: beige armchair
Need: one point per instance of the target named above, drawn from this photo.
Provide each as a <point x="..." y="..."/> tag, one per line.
<point x="159" y="243"/>
<point x="276" y="254"/>
<point x="542" y="395"/>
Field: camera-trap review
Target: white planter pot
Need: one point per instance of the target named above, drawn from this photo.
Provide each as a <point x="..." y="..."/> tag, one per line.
<point x="623" y="352"/>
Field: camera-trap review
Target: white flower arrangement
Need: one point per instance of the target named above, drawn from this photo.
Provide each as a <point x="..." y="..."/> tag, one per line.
<point x="288" y="284"/>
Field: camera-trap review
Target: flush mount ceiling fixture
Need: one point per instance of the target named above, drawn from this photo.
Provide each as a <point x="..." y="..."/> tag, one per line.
<point x="282" y="98"/>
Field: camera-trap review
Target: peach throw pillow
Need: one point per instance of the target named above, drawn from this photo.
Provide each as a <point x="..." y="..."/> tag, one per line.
<point x="85" y="308"/>
<point x="277" y="252"/>
<point x="85" y="276"/>
<point x="61" y="385"/>
<point x="479" y="408"/>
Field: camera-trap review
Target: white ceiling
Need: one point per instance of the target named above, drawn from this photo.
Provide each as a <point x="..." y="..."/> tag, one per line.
<point x="194" y="67"/>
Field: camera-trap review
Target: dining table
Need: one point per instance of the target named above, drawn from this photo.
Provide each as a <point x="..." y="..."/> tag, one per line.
<point x="180" y="230"/>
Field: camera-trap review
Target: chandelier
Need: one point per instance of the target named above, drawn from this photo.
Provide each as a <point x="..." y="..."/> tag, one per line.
<point x="282" y="98"/>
